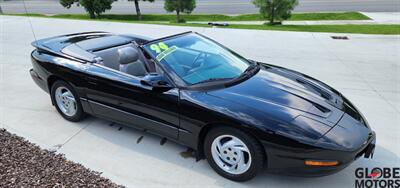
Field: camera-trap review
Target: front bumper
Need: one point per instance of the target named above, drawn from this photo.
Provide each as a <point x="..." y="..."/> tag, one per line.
<point x="291" y="161"/>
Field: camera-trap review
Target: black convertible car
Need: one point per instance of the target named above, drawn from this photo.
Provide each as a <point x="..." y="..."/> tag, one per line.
<point x="238" y="113"/>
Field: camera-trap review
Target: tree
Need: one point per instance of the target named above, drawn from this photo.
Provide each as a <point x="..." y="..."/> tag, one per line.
<point x="93" y="7"/>
<point x="139" y="15"/>
<point x="275" y="10"/>
<point x="186" y="6"/>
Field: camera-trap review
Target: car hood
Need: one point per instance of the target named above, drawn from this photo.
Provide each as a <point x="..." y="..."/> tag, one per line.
<point x="278" y="86"/>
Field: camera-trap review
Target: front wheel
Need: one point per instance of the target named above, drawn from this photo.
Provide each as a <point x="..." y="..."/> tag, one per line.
<point x="66" y="101"/>
<point x="233" y="153"/>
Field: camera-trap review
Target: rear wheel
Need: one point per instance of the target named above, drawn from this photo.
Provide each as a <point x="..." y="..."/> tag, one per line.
<point x="66" y="101"/>
<point x="233" y="153"/>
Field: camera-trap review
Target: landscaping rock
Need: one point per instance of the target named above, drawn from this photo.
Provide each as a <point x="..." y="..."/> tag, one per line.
<point x="23" y="164"/>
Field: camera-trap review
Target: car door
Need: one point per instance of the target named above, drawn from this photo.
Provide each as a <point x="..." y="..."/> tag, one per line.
<point x="121" y="98"/>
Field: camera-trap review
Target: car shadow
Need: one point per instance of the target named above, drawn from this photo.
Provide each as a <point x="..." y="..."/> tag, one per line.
<point x="171" y="152"/>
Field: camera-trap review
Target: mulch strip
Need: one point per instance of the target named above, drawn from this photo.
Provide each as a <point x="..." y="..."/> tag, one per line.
<point x="23" y="164"/>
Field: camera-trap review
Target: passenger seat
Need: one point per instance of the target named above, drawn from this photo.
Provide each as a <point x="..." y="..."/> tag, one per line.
<point x="130" y="62"/>
<point x="109" y="57"/>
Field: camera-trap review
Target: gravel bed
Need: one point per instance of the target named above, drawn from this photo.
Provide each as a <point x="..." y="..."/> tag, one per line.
<point x="23" y="164"/>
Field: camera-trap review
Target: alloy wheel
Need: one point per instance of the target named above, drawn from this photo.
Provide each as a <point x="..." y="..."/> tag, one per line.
<point x="231" y="154"/>
<point x="66" y="101"/>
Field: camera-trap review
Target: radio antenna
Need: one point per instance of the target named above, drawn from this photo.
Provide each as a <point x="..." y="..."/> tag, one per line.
<point x="30" y="22"/>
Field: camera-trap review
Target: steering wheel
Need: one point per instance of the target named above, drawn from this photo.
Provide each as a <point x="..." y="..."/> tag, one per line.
<point x="196" y="64"/>
<point x="186" y="67"/>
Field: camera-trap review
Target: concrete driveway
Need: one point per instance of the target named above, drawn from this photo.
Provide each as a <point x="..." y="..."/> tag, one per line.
<point x="364" y="68"/>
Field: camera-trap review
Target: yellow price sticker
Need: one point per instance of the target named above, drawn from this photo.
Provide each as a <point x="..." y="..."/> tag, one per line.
<point x="158" y="48"/>
<point x="165" y="53"/>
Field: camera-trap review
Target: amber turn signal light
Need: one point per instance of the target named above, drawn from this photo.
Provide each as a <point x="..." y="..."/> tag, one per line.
<point x="320" y="163"/>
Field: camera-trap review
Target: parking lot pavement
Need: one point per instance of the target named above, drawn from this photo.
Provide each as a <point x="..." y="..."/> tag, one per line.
<point x="364" y="68"/>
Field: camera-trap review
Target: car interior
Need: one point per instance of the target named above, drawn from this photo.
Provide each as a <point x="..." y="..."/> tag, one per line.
<point x="126" y="58"/>
<point x="192" y="61"/>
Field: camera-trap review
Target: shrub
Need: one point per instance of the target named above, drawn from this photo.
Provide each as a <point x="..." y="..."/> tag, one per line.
<point x="93" y="7"/>
<point x="275" y="10"/>
<point x="186" y="6"/>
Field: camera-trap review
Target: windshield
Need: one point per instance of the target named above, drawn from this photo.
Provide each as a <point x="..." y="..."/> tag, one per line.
<point x="196" y="59"/>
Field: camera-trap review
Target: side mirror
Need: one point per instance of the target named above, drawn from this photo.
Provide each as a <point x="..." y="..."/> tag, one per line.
<point x="156" y="82"/>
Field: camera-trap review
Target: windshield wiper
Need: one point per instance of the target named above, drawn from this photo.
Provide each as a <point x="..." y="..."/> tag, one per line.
<point x="250" y="68"/>
<point x="213" y="80"/>
<point x="249" y="71"/>
<point x="245" y="74"/>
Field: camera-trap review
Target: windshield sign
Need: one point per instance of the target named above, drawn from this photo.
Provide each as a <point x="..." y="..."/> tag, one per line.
<point x="196" y="59"/>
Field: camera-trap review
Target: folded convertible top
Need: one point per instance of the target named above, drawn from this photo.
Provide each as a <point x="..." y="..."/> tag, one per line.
<point x="80" y="45"/>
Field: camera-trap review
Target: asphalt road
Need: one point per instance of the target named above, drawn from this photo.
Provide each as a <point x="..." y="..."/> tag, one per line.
<point x="205" y="6"/>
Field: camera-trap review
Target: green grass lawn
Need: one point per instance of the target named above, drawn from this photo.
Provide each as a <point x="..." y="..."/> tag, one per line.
<point x="243" y="17"/>
<point x="329" y="16"/>
<point x="361" y="29"/>
<point x="168" y="20"/>
<point x="214" y="17"/>
<point x="356" y="29"/>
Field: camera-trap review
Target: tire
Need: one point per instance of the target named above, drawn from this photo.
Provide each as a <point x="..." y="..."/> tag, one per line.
<point x="65" y="99"/>
<point x="251" y="162"/>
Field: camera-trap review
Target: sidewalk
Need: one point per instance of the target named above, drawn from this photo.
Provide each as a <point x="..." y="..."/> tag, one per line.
<point x="383" y="18"/>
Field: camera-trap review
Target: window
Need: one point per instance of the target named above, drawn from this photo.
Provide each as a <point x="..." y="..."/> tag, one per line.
<point x="196" y="59"/>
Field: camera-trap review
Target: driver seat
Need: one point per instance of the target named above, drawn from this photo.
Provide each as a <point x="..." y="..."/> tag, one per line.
<point x="130" y="62"/>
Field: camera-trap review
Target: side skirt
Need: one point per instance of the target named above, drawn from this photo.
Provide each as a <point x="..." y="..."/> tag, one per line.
<point x="141" y="123"/>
